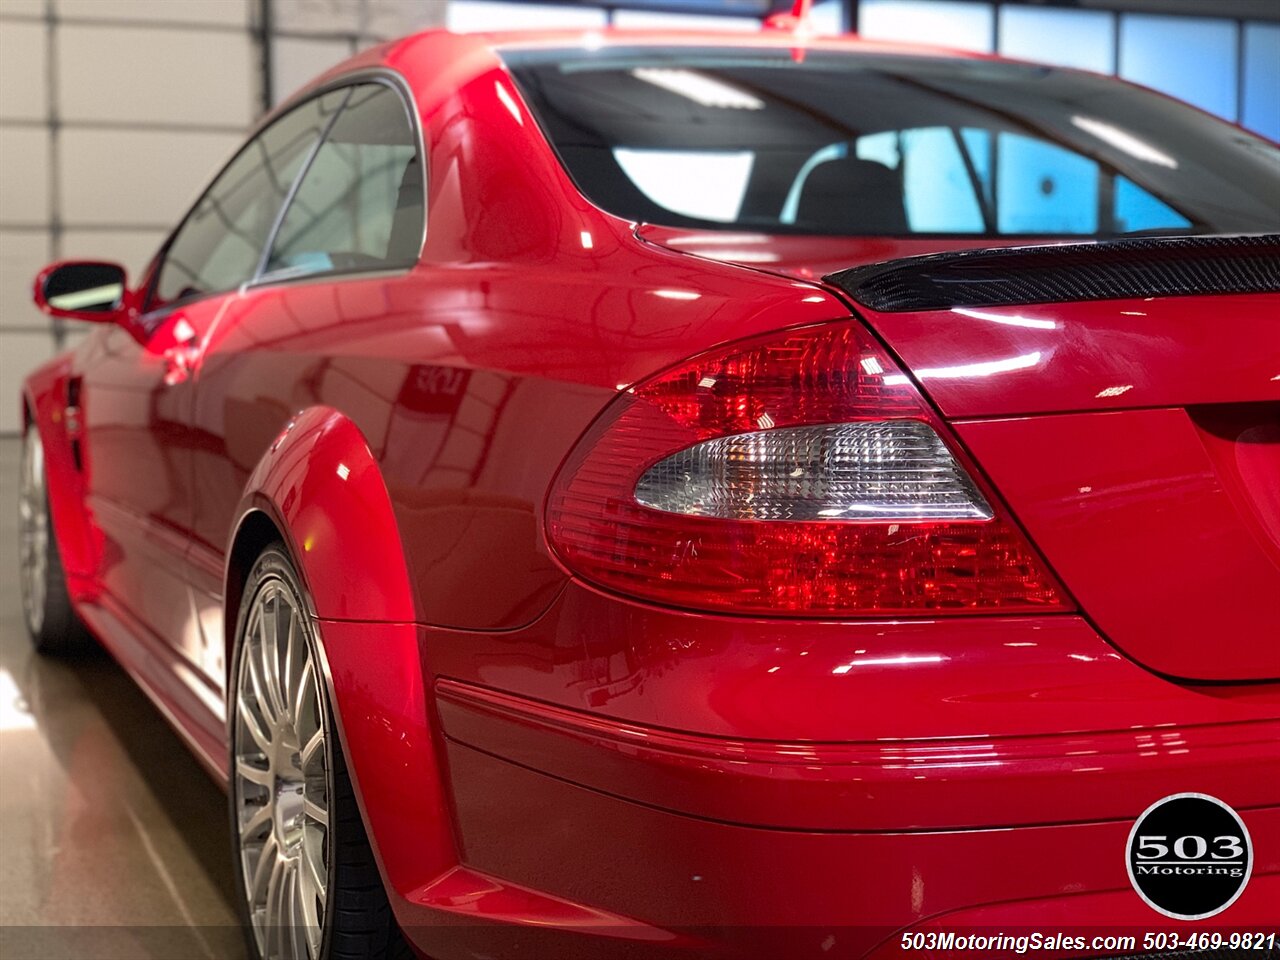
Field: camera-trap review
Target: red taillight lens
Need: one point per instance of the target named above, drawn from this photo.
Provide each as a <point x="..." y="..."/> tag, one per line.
<point x="801" y="474"/>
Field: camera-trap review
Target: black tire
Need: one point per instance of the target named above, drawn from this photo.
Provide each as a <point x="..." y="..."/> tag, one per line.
<point x="52" y="623"/>
<point x="358" y="923"/>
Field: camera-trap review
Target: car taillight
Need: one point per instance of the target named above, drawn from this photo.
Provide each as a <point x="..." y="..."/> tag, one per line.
<point x="800" y="474"/>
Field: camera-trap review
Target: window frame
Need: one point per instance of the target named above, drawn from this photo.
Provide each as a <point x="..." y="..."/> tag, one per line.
<point x="370" y="75"/>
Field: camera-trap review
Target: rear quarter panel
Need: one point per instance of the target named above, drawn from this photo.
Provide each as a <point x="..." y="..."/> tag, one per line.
<point x="471" y="376"/>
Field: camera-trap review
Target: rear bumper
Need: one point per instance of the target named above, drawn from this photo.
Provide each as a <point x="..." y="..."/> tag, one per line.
<point x="618" y="780"/>
<point x="963" y="783"/>
<point x="591" y="876"/>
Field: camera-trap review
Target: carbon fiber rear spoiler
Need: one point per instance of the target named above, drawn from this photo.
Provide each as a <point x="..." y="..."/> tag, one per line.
<point x="1059" y="273"/>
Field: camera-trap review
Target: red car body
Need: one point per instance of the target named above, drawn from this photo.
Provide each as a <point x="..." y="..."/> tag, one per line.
<point x="548" y="767"/>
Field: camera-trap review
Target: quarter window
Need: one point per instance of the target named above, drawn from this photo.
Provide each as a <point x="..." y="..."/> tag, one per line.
<point x="360" y="203"/>
<point x="218" y="246"/>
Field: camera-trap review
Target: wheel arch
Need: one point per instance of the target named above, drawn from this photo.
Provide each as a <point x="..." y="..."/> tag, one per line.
<point x="320" y="492"/>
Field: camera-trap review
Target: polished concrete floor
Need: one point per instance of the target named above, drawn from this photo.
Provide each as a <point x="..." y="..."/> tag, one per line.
<point x="113" y="841"/>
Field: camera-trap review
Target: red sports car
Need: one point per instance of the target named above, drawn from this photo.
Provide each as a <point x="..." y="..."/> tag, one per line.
<point x="636" y="494"/>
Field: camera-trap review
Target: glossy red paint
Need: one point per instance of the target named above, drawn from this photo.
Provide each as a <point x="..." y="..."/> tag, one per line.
<point x="1187" y="508"/>
<point x="547" y="767"/>
<point x="320" y="469"/>
<point x="1104" y="355"/>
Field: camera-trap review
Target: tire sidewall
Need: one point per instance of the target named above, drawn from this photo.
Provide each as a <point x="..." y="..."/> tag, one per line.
<point x="274" y="564"/>
<point x="60" y="632"/>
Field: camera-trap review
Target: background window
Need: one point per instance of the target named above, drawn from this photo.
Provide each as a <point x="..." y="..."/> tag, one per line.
<point x="218" y="246"/>
<point x="1136" y="210"/>
<point x="1043" y="188"/>
<point x="937" y="189"/>
<point x="464" y="16"/>
<point x="1261" y="108"/>
<point x="1068" y="38"/>
<point x="968" y="26"/>
<point x="1228" y="67"/>
<point x="1192" y="58"/>
<point x="827" y="16"/>
<point x="657" y="20"/>
<point x="359" y="205"/>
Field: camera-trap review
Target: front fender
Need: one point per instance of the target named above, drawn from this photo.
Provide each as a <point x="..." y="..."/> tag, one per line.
<point x="44" y="407"/>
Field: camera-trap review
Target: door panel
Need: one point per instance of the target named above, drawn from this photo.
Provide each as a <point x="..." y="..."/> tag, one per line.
<point x="135" y="406"/>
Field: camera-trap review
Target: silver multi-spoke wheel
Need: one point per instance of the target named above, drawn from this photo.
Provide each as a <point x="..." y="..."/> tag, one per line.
<point x="281" y="777"/>
<point x="33" y="532"/>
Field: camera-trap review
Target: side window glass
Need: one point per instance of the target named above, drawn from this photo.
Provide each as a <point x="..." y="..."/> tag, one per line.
<point x="360" y="203"/>
<point x="218" y="246"/>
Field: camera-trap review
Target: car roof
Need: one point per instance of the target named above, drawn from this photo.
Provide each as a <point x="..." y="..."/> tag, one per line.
<point x="419" y="57"/>
<point x="767" y="38"/>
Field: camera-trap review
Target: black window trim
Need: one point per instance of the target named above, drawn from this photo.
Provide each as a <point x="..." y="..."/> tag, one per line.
<point x="369" y="75"/>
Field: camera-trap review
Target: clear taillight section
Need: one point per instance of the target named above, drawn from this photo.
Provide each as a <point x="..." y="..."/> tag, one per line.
<point x="872" y="470"/>
<point x="799" y="475"/>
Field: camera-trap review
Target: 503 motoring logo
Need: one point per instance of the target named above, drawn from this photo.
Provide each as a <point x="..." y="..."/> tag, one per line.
<point x="1189" y="856"/>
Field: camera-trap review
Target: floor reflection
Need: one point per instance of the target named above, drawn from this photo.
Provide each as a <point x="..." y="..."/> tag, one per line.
<point x="114" y="841"/>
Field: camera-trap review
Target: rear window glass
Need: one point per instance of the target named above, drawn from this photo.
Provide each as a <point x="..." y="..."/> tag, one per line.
<point x="888" y="145"/>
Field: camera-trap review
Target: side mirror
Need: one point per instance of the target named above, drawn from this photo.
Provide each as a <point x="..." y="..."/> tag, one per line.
<point x="82" y="290"/>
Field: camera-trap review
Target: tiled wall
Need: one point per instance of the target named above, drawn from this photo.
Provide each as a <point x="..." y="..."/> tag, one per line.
<point x="312" y="35"/>
<point x="97" y="159"/>
<point x="114" y="112"/>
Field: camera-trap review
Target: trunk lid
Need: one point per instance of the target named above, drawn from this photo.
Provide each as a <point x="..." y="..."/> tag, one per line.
<point x="1124" y="397"/>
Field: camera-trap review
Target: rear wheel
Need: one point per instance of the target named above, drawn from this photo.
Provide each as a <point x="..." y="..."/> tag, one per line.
<point x="309" y="887"/>
<point x="52" y="623"/>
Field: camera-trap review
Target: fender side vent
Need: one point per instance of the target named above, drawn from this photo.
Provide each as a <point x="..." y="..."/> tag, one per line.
<point x="1061" y="273"/>
<point x="73" y="421"/>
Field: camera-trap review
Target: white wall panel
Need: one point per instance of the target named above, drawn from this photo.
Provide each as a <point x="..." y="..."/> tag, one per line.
<point x="22" y="70"/>
<point x="228" y="13"/>
<point x="22" y="351"/>
<point x="132" y="248"/>
<point x="297" y="60"/>
<point x="148" y="178"/>
<point x="22" y="254"/>
<point x="155" y="75"/>
<point x="396" y="18"/>
<point x="320" y="16"/>
<point x="24" y="175"/>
